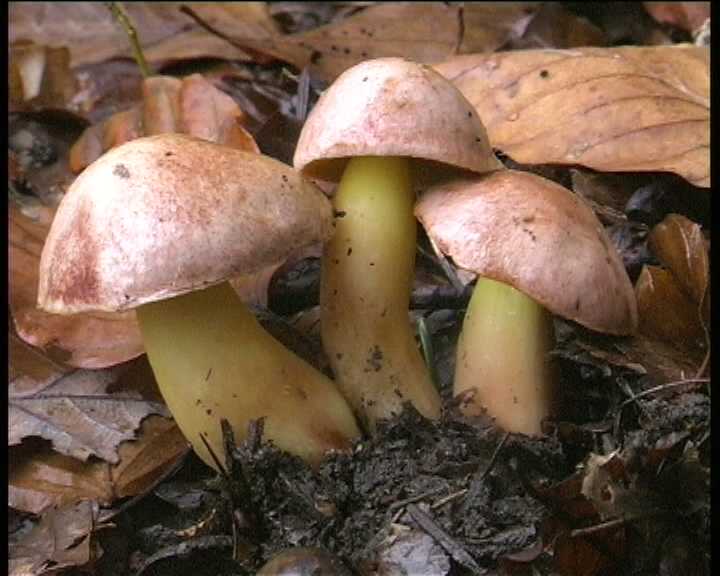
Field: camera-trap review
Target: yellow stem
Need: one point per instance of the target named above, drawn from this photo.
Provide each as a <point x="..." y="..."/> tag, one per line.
<point x="368" y="269"/>
<point x="502" y="362"/>
<point x="213" y="360"/>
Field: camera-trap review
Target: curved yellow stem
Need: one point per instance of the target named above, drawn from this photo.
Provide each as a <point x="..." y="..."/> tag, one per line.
<point x="213" y="360"/>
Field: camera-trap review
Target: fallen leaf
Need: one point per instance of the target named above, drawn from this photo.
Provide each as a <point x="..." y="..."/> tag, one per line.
<point x="553" y="26"/>
<point x="84" y="340"/>
<point x="39" y="477"/>
<point x="62" y="539"/>
<point x="421" y="31"/>
<point x="611" y="109"/>
<point x="679" y="244"/>
<point x="191" y="106"/>
<point x="76" y="412"/>
<point x="165" y="33"/>
<point x="686" y="15"/>
<point x="665" y="311"/>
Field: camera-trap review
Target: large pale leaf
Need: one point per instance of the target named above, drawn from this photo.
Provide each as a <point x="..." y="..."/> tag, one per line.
<point x="83" y="340"/>
<point x="76" y="411"/>
<point x="92" y="35"/>
<point x="610" y="109"/>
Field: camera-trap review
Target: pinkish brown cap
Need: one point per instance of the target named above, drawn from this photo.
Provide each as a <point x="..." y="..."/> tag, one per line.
<point x="165" y="215"/>
<point x="392" y="107"/>
<point x="531" y="233"/>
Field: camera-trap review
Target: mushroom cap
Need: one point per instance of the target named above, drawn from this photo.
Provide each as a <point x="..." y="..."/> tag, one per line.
<point x="392" y="107"/>
<point x="165" y="215"/>
<point x="529" y="232"/>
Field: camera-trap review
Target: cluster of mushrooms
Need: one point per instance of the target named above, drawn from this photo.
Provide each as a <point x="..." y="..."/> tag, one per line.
<point x="161" y="223"/>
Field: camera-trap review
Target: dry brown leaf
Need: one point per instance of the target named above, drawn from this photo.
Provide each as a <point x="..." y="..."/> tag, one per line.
<point x="610" y="109"/>
<point x="665" y="311"/>
<point x="83" y="340"/>
<point x="92" y="35"/>
<point x="679" y="244"/>
<point x="76" y="412"/>
<point x="62" y="539"/>
<point x="40" y="477"/>
<point x="552" y="26"/>
<point x="421" y="31"/>
<point x="686" y="15"/>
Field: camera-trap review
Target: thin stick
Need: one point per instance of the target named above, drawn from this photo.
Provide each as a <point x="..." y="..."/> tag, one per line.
<point x="123" y="19"/>
<point x="599" y="527"/>
<point x="663" y="387"/>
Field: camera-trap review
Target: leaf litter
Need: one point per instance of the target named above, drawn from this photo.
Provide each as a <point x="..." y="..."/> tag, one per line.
<point x="455" y="497"/>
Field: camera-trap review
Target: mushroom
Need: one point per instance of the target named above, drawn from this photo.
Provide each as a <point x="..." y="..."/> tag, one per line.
<point x="378" y="127"/>
<point x="159" y="224"/>
<point x="538" y="250"/>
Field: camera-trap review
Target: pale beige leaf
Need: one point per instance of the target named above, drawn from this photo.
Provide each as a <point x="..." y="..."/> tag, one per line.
<point x="77" y="413"/>
<point x="62" y="539"/>
<point x="610" y="109"/>
<point x="40" y="477"/>
<point x="92" y="35"/>
<point x="85" y="340"/>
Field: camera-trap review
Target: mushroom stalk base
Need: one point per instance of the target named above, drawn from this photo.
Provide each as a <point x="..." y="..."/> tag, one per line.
<point x="367" y="273"/>
<point x="502" y="363"/>
<point x="213" y="360"/>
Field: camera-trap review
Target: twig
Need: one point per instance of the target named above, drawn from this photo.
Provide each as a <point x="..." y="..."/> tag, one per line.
<point x="416" y="498"/>
<point x="599" y="527"/>
<point x="456" y="550"/>
<point x="122" y="18"/>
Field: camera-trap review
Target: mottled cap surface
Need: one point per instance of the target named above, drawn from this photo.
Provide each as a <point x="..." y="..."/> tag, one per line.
<point x="392" y="107"/>
<point x="529" y="232"/>
<point x="165" y="215"/>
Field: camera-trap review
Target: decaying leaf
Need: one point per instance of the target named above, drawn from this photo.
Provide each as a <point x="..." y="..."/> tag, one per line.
<point x="610" y="109"/>
<point x="85" y="340"/>
<point x="62" y="539"/>
<point x="77" y="413"/>
<point x="39" y="477"/>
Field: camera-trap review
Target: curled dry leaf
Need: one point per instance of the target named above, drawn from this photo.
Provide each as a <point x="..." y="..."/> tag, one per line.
<point x="62" y="539"/>
<point x="665" y="311"/>
<point x="191" y="106"/>
<point x="679" y="244"/>
<point x="76" y="412"/>
<point x="610" y="109"/>
<point x="93" y="340"/>
<point x="40" y="477"/>
<point x="40" y="76"/>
